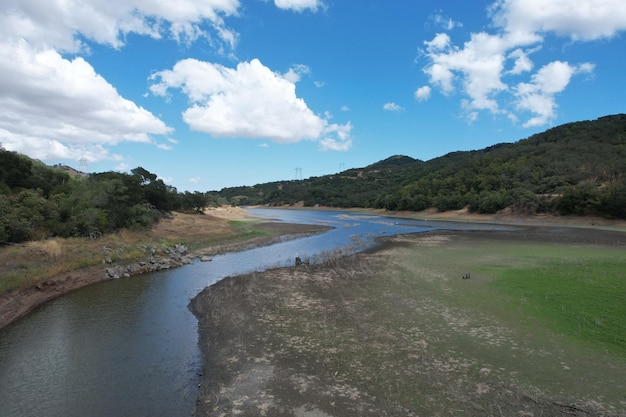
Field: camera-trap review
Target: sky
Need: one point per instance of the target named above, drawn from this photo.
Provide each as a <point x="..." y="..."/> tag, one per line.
<point x="210" y="94"/>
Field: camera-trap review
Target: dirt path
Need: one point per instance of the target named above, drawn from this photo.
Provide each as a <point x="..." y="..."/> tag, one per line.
<point x="351" y="338"/>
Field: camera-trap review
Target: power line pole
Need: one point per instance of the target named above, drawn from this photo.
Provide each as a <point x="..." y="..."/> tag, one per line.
<point x="298" y="173"/>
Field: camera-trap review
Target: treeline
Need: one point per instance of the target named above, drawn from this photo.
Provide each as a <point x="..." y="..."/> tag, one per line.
<point x="577" y="168"/>
<point x="39" y="201"/>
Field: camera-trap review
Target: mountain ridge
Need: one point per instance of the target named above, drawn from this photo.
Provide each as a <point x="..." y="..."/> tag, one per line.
<point x="575" y="168"/>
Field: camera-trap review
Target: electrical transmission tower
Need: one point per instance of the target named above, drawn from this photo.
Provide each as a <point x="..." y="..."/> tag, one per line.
<point x="298" y="173"/>
<point x="83" y="164"/>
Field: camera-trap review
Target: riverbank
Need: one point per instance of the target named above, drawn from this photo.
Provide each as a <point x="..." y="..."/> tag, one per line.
<point x="397" y="331"/>
<point x="41" y="271"/>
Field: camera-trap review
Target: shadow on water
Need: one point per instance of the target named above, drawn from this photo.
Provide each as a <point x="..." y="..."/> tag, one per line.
<point x="130" y="347"/>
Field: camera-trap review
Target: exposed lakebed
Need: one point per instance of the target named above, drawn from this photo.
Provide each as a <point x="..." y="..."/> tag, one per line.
<point x="130" y="346"/>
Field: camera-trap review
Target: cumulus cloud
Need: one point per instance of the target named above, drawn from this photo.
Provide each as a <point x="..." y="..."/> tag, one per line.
<point x="299" y="5"/>
<point x="576" y="19"/>
<point x="249" y="101"/>
<point x="392" y="107"/>
<point x="489" y="65"/>
<point x="538" y="96"/>
<point x="423" y="93"/>
<point x="521" y="61"/>
<point x="63" y="24"/>
<point x="55" y="107"/>
<point x="336" y="137"/>
<point x="59" y="108"/>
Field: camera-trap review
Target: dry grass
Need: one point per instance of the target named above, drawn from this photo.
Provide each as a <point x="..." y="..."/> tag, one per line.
<point x="218" y="230"/>
<point x="51" y="248"/>
<point x="23" y="265"/>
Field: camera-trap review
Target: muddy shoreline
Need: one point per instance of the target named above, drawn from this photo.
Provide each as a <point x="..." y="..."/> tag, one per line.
<point x="260" y="360"/>
<point x="19" y="302"/>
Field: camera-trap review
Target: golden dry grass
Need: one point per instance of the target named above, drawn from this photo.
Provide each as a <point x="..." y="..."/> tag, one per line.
<point x="37" y="261"/>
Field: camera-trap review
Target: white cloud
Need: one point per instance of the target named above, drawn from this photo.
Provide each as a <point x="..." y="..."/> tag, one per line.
<point x="248" y="101"/>
<point x="194" y="180"/>
<point x="299" y="5"/>
<point x="422" y="93"/>
<point x="575" y="19"/>
<point x="522" y="61"/>
<point x="59" y="108"/>
<point x="438" y="19"/>
<point x="481" y="66"/>
<point x="538" y="96"/>
<point x="296" y="72"/>
<point x="336" y="138"/>
<point x="477" y="66"/>
<point x="345" y="108"/>
<point x="61" y="24"/>
<point x="392" y="107"/>
<point x="439" y="43"/>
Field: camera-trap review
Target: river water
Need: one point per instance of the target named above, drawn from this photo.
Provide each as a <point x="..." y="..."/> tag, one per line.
<point x="129" y="347"/>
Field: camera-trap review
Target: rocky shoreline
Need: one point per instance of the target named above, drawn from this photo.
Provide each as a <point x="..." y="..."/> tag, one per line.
<point x="19" y="302"/>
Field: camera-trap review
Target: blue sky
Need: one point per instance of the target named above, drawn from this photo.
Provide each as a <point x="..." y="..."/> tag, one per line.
<point x="217" y="93"/>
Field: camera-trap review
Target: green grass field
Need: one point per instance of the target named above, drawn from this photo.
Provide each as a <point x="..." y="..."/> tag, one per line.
<point x="548" y="313"/>
<point x="580" y="293"/>
<point x="574" y="291"/>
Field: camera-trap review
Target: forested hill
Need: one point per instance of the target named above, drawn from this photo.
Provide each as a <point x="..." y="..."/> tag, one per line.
<point x="576" y="168"/>
<point x="38" y="201"/>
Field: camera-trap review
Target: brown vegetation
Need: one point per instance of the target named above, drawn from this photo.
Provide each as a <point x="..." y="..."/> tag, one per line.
<point x="35" y="272"/>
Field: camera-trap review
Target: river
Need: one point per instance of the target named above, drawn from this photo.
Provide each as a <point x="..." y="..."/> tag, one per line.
<point x="129" y="347"/>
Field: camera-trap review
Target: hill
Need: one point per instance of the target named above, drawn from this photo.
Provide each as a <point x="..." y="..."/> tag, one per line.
<point x="39" y="201"/>
<point x="576" y="168"/>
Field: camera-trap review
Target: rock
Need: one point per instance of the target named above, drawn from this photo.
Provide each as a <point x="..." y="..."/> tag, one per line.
<point x="206" y="258"/>
<point x="112" y="273"/>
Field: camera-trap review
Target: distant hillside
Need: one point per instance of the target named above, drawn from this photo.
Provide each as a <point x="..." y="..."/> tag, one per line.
<point x="575" y="168"/>
<point x="350" y="188"/>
